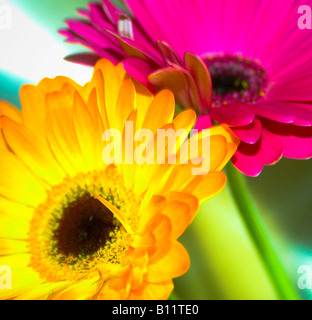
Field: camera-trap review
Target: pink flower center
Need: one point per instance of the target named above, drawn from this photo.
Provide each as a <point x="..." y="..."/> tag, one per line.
<point x="236" y="79"/>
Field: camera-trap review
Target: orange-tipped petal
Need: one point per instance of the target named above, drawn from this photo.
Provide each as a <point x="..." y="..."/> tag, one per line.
<point x="201" y="76"/>
<point x="174" y="80"/>
<point x="173" y="265"/>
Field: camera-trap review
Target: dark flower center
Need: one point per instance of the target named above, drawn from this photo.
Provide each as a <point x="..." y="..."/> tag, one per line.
<point x="236" y="79"/>
<point x="85" y="227"/>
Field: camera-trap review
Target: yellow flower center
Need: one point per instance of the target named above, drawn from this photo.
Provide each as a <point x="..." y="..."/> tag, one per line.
<point x="72" y="233"/>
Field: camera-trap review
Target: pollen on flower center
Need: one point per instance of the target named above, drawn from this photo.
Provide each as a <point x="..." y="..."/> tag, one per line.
<point x="72" y="234"/>
<point x="236" y="79"/>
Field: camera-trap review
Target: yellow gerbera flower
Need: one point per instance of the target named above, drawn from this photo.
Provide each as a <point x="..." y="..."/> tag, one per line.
<point x="74" y="227"/>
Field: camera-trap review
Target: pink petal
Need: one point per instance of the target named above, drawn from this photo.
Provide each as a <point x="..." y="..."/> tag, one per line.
<point x="296" y="141"/>
<point x="233" y="114"/>
<point x="249" y="159"/>
<point x="87" y="31"/>
<point x="296" y="147"/>
<point x="99" y="18"/>
<point x="295" y="85"/>
<point x="298" y="94"/>
<point x="85" y="58"/>
<point x="65" y="32"/>
<point x="138" y="69"/>
<point x="303" y="114"/>
<point x="111" y="11"/>
<point x="151" y="54"/>
<point x="277" y="111"/>
<point x="133" y="49"/>
<point x="143" y="38"/>
<point x="249" y="134"/>
<point x="272" y="148"/>
<point x="114" y="53"/>
<point x="83" y="12"/>
<point x="90" y="59"/>
<point x="203" y="122"/>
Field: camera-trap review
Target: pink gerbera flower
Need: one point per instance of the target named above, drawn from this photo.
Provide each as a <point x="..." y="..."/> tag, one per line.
<point x="251" y="52"/>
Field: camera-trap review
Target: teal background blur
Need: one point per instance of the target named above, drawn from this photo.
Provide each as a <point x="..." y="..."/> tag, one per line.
<point x="282" y="194"/>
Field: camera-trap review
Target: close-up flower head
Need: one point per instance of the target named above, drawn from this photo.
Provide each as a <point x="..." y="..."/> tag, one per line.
<point x="149" y="150"/>
<point x="243" y="63"/>
<point x="75" y="227"/>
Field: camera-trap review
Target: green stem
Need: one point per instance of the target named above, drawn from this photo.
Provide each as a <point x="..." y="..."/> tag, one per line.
<point x="259" y="234"/>
<point x="174" y="296"/>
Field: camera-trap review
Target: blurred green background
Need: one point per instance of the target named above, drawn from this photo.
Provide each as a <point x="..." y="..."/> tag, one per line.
<point x="225" y="262"/>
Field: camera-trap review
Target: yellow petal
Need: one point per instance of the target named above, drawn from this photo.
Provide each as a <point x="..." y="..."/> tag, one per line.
<point x="225" y="131"/>
<point x="17" y="183"/>
<point x="179" y="177"/>
<point x="143" y="241"/>
<point x="3" y="145"/>
<point x="158" y="180"/>
<point x="180" y="217"/>
<point x="112" y="85"/>
<point x="13" y="113"/>
<point x="173" y="265"/>
<point x="232" y="142"/>
<point x="116" y="288"/>
<point x="149" y="210"/>
<point x="185" y="120"/>
<point x="189" y="199"/>
<point x="117" y="213"/>
<point x="231" y="149"/>
<point x="181" y="209"/>
<point x="33" y="107"/>
<point x="42" y="291"/>
<point x="15" y="219"/>
<point x="13" y="227"/>
<point x="121" y="71"/>
<point x="90" y="140"/>
<point x="61" y="128"/>
<point x="9" y="247"/>
<point x="208" y="186"/>
<point x="10" y="111"/>
<point x="23" y="277"/>
<point x="216" y="154"/>
<point x="97" y="96"/>
<point x="125" y="105"/>
<point x="83" y="290"/>
<point x="15" y="209"/>
<point x="152" y="291"/>
<point x="128" y="167"/>
<point x="32" y="150"/>
<point x="160" y="112"/>
<point x="139" y="261"/>
<point x="92" y="105"/>
<point x="48" y="85"/>
<point x="145" y="172"/>
<point x="142" y="102"/>
<point x="161" y="228"/>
